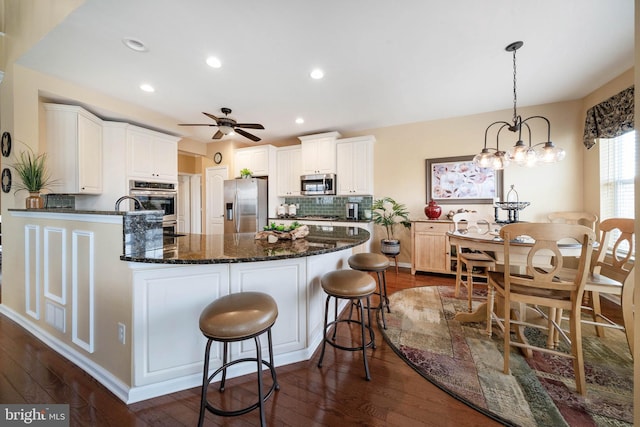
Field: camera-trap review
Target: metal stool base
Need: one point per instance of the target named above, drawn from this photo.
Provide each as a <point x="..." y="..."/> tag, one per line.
<point x="262" y="397"/>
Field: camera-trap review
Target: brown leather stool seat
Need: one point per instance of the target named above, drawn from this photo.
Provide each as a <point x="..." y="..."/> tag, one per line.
<point x="238" y="317"/>
<point x="377" y="263"/>
<point x="356" y="286"/>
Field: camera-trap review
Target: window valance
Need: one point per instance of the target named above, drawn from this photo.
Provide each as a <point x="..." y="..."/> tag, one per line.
<point x="610" y="118"/>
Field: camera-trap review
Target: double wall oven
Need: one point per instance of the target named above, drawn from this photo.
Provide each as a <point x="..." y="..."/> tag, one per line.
<point x="158" y="196"/>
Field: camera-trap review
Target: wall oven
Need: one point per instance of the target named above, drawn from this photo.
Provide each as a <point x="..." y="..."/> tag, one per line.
<point x="157" y="196"/>
<point x="318" y="184"/>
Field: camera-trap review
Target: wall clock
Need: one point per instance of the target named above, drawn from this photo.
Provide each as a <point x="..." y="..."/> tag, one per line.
<point x="6" y="180"/>
<point x="217" y="158"/>
<point x="6" y="144"/>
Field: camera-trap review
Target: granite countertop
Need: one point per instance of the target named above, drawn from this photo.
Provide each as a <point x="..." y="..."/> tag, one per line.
<point x="243" y="247"/>
<point x="318" y="218"/>
<point x="85" y="212"/>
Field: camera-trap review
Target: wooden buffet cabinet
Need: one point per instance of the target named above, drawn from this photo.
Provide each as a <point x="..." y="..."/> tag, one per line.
<point x="430" y="247"/>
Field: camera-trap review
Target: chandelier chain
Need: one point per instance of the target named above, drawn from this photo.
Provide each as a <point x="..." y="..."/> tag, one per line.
<point x="515" y="96"/>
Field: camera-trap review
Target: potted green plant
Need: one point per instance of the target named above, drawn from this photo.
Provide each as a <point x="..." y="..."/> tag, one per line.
<point x="34" y="176"/>
<point x="388" y="213"/>
<point x="246" y="173"/>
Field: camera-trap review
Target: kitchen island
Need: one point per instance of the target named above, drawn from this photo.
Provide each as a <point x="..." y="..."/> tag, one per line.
<point x="128" y="314"/>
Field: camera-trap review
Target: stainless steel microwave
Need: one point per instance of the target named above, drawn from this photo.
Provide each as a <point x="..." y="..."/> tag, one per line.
<point x="318" y="184"/>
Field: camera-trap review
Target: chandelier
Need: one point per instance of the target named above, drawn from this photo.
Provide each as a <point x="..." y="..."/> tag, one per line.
<point x="521" y="153"/>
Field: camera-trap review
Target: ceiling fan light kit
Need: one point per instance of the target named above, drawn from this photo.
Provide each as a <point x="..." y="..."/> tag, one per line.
<point x="521" y="153"/>
<point x="227" y="126"/>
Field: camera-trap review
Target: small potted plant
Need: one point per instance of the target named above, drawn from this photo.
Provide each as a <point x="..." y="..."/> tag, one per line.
<point x="388" y="213"/>
<point x="246" y="173"/>
<point x="34" y="176"/>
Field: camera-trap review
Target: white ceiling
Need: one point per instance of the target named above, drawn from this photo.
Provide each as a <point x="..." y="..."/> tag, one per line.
<point x="385" y="63"/>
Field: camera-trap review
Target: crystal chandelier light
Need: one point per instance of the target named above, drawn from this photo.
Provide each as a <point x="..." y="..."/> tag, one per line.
<point x="521" y="153"/>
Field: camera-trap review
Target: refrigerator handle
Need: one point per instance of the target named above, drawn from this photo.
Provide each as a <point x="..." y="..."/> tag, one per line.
<point x="235" y="204"/>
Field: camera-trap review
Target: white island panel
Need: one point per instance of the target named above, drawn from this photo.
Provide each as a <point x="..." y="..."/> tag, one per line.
<point x="167" y="303"/>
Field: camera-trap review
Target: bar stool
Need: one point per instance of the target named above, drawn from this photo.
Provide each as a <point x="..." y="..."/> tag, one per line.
<point x="370" y="262"/>
<point x="353" y="285"/>
<point x="232" y="318"/>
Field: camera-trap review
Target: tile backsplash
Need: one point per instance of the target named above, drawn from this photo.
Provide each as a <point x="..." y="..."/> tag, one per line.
<point x="329" y="205"/>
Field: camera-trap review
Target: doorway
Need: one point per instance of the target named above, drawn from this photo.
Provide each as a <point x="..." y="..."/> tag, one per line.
<point x="189" y="210"/>
<point x="215" y="177"/>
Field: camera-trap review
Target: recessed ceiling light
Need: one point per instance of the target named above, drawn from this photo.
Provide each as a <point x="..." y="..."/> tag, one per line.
<point x="147" y="87"/>
<point x="135" y="44"/>
<point x="299" y="120"/>
<point x="214" y="62"/>
<point x="317" y="74"/>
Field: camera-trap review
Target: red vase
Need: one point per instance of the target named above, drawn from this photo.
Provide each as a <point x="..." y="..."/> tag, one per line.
<point x="432" y="210"/>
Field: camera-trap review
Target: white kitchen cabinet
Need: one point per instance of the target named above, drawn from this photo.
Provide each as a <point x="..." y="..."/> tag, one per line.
<point x="288" y="171"/>
<point x="74" y="149"/>
<point x="259" y="160"/>
<point x="151" y="155"/>
<point x="319" y="153"/>
<point x="355" y="166"/>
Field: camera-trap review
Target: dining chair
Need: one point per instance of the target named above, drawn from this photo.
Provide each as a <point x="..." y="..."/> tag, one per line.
<point x="612" y="274"/>
<point x="541" y="287"/>
<point x="468" y="260"/>
<point x="583" y="218"/>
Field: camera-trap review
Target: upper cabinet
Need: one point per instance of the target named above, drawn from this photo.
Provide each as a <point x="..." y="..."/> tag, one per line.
<point x="74" y="149"/>
<point x="151" y="155"/>
<point x="355" y="166"/>
<point x="319" y="153"/>
<point x="259" y="160"/>
<point x="289" y="169"/>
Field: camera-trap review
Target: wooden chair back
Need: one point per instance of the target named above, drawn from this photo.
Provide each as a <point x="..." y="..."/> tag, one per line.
<point x="472" y="222"/>
<point x="583" y="218"/>
<point x="616" y="264"/>
<point x="547" y="237"/>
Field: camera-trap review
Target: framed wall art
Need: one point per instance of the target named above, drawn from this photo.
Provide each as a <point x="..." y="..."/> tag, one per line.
<point x="458" y="180"/>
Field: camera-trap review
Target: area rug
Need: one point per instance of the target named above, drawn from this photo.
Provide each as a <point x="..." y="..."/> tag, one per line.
<point x="462" y="360"/>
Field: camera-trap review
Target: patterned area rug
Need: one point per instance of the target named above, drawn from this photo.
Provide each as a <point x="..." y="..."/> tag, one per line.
<point x="463" y="361"/>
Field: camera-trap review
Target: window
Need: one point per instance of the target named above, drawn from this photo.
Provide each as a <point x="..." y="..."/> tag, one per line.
<point x="617" y="176"/>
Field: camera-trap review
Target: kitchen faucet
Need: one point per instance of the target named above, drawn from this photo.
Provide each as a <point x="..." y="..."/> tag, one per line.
<point x="137" y="202"/>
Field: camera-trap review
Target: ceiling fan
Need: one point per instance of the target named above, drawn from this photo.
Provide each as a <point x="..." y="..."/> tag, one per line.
<point x="226" y="125"/>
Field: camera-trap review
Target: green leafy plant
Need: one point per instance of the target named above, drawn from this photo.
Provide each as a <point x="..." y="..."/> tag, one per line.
<point x="33" y="172"/>
<point x="246" y="172"/>
<point x="281" y="227"/>
<point x="388" y="213"/>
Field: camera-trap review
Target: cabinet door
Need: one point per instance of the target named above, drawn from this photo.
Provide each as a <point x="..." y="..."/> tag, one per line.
<point x="355" y="167"/>
<point x="319" y="156"/>
<point x="74" y="144"/>
<point x="431" y="249"/>
<point x="255" y="159"/>
<point x="165" y="159"/>
<point x="288" y="172"/>
<point x="344" y="168"/>
<point x="89" y="156"/>
<point x="139" y="154"/>
<point x="150" y="156"/>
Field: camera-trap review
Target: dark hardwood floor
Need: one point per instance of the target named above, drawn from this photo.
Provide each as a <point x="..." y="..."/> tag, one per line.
<point x="335" y="395"/>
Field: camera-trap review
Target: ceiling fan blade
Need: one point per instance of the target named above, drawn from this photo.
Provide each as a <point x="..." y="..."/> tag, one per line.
<point x="247" y="135"/>
<point x="211" y="116"/>
<point x="249" y="125"/>
<point x="197" y="124"/>
<point x="218" y="135"/>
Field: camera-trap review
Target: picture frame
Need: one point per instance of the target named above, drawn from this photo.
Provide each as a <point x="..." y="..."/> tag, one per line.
<point x="458" y="180"/>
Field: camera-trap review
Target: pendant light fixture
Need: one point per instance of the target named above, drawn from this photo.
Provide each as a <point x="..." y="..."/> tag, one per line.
<point x="521" y="153"/>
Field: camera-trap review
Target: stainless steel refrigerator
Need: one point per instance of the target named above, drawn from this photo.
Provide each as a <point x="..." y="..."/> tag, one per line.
<point x="245" y="205"/>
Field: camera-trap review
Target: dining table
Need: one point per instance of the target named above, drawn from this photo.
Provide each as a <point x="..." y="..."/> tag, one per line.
<point x="490" y="241"/>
